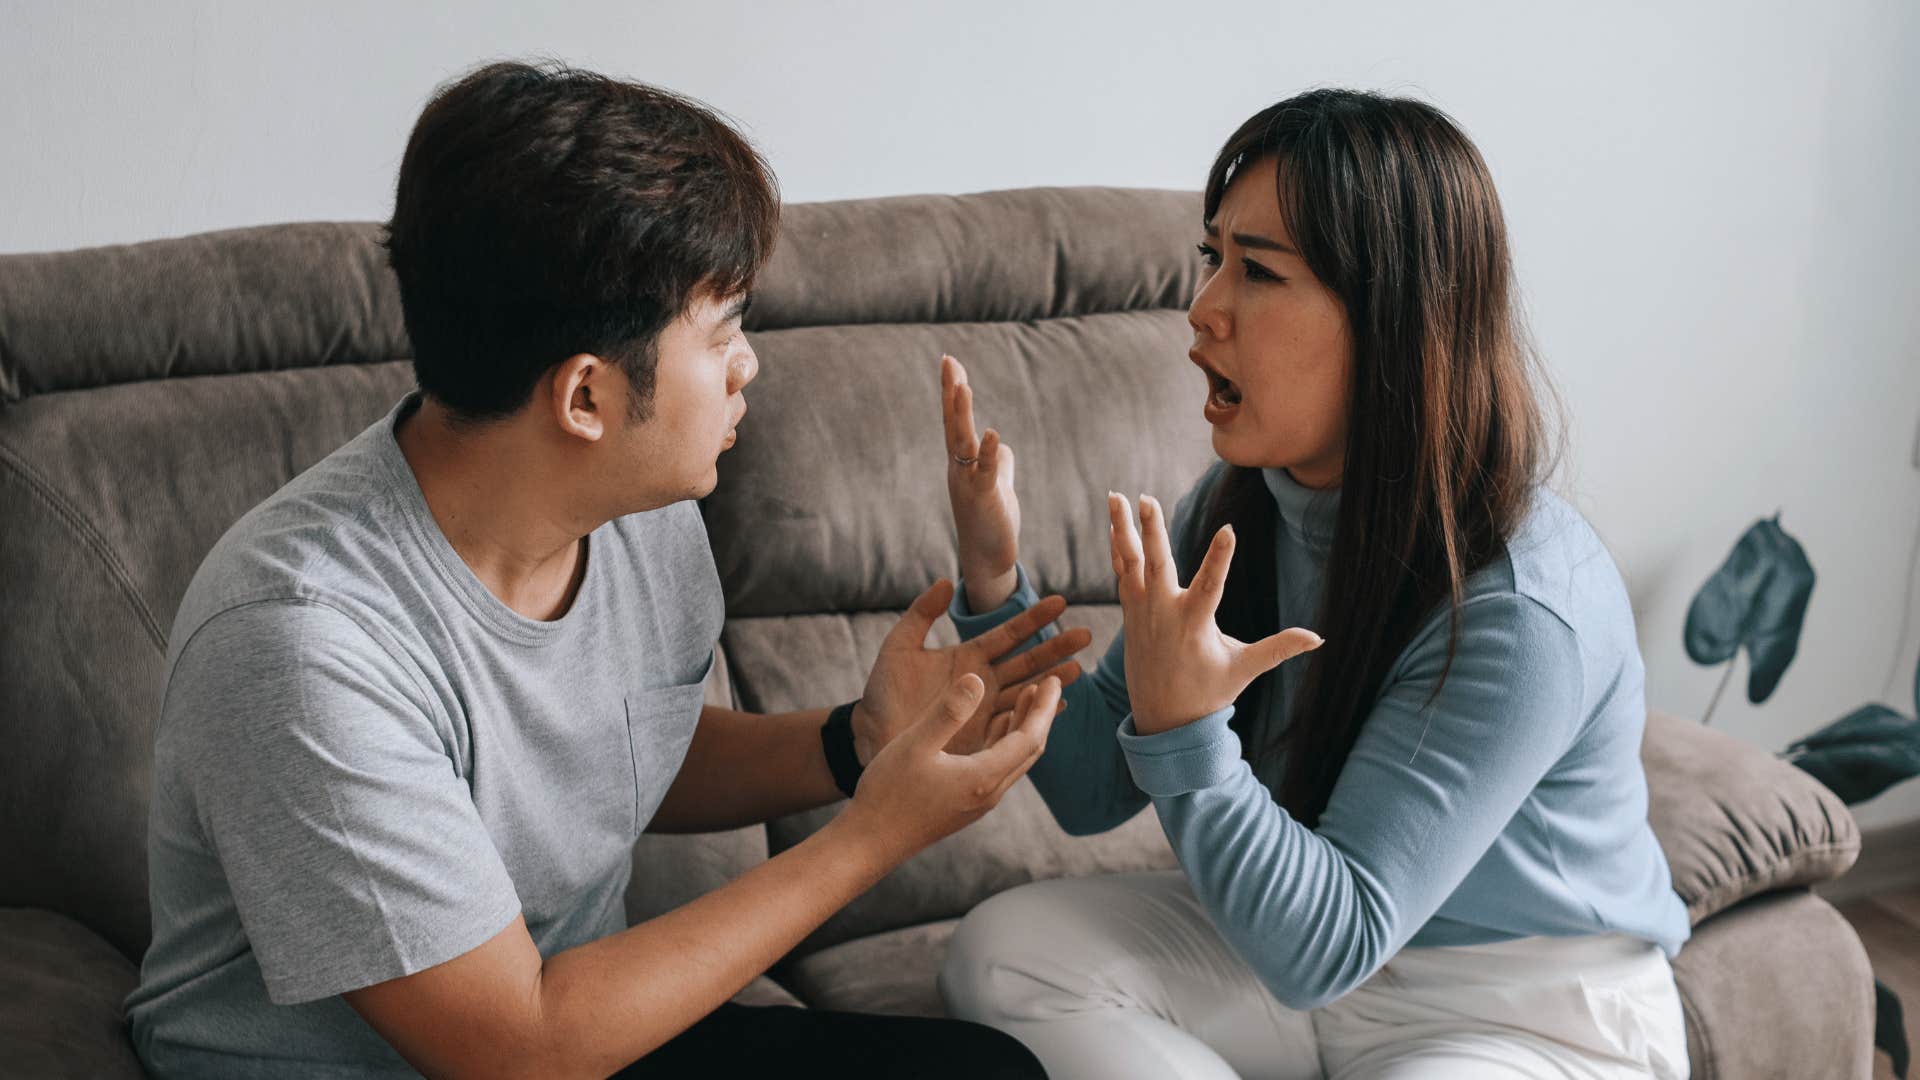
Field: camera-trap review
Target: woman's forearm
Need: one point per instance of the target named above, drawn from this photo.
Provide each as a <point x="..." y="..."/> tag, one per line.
<point x="1083" y="775"/>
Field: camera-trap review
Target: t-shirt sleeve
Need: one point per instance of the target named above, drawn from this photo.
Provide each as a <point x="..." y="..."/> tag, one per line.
<point x="335" y="805"/>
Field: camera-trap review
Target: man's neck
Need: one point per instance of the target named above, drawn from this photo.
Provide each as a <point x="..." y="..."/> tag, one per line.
<point x="503" y="503"/>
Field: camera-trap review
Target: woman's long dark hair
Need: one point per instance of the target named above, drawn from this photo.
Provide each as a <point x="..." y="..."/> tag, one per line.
<point x="1393" y="209"/>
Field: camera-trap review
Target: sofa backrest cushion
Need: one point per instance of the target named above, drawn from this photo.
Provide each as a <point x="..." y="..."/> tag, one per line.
<point x="151" y="393"/>
<point x="831" y="514"/>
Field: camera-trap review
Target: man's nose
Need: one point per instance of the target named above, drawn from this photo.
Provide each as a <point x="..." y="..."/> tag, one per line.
<point x="743" y="370"/>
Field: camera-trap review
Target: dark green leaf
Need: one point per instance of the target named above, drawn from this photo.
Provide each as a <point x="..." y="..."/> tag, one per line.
<point x="1756" y="599"/>
<point x="1717" y="618"/>
<point x="1872" y="757"/>
<point x="1773" y="634"/>
<point x="1868" y="723"/>
<point x="1890" y="1027"/>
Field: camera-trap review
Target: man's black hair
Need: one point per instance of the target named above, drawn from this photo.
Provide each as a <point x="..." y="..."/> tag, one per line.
<point x="544" y="212"/>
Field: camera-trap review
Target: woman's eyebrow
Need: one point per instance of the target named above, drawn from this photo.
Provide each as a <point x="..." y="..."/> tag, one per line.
<point x="738" y="309"/>
<point x="1252" y="240"/>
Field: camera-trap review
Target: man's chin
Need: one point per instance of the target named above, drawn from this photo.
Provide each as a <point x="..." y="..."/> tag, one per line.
<point x="708" y="482"/>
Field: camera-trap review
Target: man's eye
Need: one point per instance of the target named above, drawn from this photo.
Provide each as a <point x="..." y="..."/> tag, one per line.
<point x="1208" y="255"/>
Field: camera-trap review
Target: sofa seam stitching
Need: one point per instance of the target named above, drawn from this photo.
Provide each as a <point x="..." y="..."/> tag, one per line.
<point x="90" y="536"/>
<point x="1706" y="1040"/>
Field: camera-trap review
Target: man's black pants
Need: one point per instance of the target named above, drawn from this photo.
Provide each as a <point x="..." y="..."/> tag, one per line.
<point x="784" y="1041"/>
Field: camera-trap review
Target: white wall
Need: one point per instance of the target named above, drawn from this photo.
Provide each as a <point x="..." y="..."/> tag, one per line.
<point x="1714" y="209"/>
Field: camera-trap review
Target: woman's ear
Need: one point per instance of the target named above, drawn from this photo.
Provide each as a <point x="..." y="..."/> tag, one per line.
<point x="581" y="389"/>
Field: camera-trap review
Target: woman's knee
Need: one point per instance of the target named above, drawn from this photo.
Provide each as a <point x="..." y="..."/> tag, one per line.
<point x="993" y="934"/>
<point x="988" y="962"/>
<point x="1040" y="948"/>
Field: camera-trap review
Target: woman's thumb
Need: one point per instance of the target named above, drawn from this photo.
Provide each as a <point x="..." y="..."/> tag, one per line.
<point x="1270" y="652"/>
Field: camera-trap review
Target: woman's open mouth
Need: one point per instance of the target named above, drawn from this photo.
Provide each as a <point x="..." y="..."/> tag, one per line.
<point x="1223" y="397"/>
<point x="1225" y="394"/>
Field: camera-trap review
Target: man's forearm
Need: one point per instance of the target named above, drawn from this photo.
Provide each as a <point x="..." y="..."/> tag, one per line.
<point x="500" y="1010"/>
<point x="609" y="1002"/>
<point x="745" y="768"/>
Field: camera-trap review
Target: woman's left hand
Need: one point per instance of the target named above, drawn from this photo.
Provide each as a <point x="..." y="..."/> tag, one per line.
<point x="1180" y="667"/>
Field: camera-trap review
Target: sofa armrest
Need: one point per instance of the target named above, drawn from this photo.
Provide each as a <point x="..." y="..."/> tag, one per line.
<point x="1736" y="821"/>
<point x="61" y="993"/>
<point x="1777" y="987"/>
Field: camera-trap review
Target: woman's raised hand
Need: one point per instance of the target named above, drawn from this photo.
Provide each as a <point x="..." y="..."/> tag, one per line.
<point x="1180" y="667"/>
<point x="980" y="488"/>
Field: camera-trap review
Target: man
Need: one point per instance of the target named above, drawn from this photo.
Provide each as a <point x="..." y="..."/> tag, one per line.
<point x="422" y="700"/>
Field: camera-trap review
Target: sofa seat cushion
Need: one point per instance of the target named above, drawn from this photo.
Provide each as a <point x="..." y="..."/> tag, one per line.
<point x="893" y="972"/>
<point x="764" y="991"/>
<point x="1735" y="821"/>
<point x="1739" y="1022"/>
<point x="61" y="989"/>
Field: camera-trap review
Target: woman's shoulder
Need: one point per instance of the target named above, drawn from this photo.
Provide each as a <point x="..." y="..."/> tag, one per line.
<point x="1556" y="560"/>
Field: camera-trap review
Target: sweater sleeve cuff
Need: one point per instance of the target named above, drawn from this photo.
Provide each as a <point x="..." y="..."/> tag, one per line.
<point x="1183" y="759"/>
<point x="971" y="625"/>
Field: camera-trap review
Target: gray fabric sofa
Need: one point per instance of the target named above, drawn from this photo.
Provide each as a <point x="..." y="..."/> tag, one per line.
<point x="149" y="394"/>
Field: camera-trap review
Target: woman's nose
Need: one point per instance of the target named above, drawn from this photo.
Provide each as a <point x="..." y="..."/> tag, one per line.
<point x="1208" y="314"/>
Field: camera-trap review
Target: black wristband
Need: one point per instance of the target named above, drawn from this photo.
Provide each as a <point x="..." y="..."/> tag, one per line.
<point x="836" y="738"/>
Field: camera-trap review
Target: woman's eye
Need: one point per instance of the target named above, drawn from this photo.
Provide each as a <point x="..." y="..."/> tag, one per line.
<point x="1256" y="272"/>
<point x="1208" y="255"/>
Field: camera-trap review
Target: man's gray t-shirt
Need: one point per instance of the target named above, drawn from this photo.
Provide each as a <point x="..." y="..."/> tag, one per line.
<point x="366" y="764"/>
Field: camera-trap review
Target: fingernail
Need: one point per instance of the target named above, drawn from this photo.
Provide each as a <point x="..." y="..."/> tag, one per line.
<point x="1227" y="528"/>
<point x="1145" y="506"/>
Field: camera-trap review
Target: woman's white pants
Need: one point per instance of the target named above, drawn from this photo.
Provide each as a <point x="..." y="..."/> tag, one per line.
<point x="1109" y="978"/>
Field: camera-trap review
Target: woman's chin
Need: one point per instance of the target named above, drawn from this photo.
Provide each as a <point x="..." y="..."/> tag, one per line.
<point x="1232" y="447"/>
<point x="1236" y="448"/>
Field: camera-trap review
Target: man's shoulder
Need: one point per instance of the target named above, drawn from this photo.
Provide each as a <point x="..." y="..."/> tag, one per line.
<point x="321" y="542"/>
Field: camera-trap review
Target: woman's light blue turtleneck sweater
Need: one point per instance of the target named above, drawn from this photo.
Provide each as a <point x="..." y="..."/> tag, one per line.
<point x="1510" y="805"/>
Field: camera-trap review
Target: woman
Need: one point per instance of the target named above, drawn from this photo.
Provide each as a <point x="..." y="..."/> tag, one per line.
<point x="1422" y="850"/>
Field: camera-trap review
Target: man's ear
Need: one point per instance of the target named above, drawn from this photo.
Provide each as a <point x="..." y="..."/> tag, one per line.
<point x="582" y="389"/>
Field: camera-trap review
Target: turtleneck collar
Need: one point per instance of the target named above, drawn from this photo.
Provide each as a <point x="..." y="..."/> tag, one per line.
<point x="1309" y="514"/>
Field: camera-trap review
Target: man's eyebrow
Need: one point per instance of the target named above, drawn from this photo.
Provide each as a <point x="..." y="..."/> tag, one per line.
<point x="739" y="308"/>
<point x="1252" y="240"/>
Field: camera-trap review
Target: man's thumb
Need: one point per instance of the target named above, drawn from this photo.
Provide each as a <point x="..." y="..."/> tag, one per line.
<point x="926" y="609"/>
